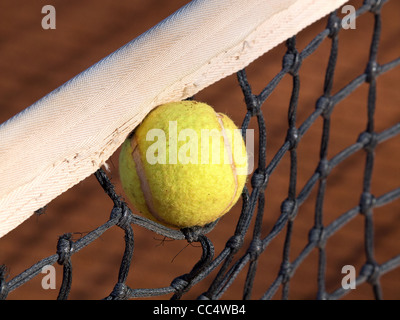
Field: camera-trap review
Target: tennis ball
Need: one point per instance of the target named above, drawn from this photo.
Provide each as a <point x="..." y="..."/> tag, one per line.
<point x="185" y="165"/>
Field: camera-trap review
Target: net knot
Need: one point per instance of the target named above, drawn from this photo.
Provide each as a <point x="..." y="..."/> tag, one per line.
<point x="292" y="137"/>
<point x="192" y="234"/>
<point x="376" y="5"/>
<point x="259" y="179"/>
<point x="255" y="249"/>
<point x="289" y="208"/>
<point x="120" y="291"/>
<point x="286" y="271"/>
<point x="324" y="168"/>
<point x="292" y="62"/>
<point x="334" y="25"/>
<point x="371" y="271"/>
<point x="253" y="104"/>
<point x="318" y="236"/>
<point x="122" y="214"/>
<point x="3" y="283"/>
<point x="372" y="71"/>
<point x="369" y="140"/>
<point x="64" y="248"/>
<point x="179" y="284"/>
<point x="367" y="202"/>
<point x="235" y="243"/>
<point x="325" y="104"/>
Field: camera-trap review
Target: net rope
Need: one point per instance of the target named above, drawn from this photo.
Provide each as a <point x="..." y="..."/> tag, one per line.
<point x="229" y="262"/>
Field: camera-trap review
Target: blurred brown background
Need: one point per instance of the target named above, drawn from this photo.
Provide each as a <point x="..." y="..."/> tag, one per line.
<point x="34" y="61"/>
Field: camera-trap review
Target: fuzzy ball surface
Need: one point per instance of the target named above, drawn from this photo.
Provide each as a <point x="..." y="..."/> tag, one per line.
<point x="185" y="165"/>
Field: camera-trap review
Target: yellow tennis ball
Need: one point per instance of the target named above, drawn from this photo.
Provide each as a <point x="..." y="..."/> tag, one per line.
<point x="185" y="165"/>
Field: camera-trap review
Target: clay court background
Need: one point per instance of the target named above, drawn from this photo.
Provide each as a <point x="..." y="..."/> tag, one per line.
<point x="34" y="62"/>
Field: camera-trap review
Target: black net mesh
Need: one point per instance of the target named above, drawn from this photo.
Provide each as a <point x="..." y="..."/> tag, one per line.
<point x="248" y="246"/>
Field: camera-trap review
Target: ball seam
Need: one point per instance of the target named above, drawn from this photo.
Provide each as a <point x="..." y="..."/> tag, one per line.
<point x="228" y="149"/>
<point x="144" y="184"/>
